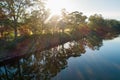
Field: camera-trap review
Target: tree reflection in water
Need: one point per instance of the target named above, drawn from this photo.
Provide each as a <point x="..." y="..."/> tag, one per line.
<point x="47" y="64"/>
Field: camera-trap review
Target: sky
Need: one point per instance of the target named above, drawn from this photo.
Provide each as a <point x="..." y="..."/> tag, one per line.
<point x="108" y="8"/>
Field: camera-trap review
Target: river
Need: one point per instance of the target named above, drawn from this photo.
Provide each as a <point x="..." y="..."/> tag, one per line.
<point x="86" y="59"/>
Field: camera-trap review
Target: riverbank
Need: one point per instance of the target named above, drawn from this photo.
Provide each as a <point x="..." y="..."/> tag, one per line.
<point x="31" y="44"/>
<point x="26" y="45"/>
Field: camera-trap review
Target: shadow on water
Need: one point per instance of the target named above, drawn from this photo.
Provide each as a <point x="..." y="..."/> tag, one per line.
<point x="48" y="63"/>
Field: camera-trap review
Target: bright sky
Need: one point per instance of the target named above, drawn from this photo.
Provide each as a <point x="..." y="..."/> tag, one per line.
<point x="108" y="8"/>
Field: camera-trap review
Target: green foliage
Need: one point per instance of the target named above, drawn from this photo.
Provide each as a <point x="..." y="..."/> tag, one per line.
<point x="76" y="18"/>
<point x="96" y="21"/>
<point x="16" y="10"/>
<point x="113" y="24"/>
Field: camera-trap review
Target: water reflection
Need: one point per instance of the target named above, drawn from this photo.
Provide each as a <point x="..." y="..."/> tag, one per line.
<point x="47" y="64"/>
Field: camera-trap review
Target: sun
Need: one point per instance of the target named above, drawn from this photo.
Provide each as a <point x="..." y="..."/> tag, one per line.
<point x="56" y="6"/>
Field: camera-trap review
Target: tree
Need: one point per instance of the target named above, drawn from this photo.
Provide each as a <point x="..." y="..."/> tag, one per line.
<point x="2" y="19"/>
<point x="38" y="16"/>
<point x="64" y="20"/>
<point x="76" y="18"/>
<point x="113" y="24"/>
<point x="4" y="23"/>
<point x="53" y="23"/>
<point x="96" y="21"/>
<point x="15" y="10"/>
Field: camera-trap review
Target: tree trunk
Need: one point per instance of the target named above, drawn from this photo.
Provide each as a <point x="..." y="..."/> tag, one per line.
<point x="15" y="29"/>
<point x="62" y="30"/>
<point x="15" y="32"/>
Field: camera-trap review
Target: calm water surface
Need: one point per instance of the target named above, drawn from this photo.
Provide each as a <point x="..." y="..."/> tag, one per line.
<point x="77" y="60"/>
<point x="102" y="64"/>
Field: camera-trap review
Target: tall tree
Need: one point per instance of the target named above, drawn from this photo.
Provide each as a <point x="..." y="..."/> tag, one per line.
<point x="15" y="9"/>
<point x="4" y="23"/>
<point x="76" y="18"/>
<point x="96" y="21"/>
<point x="39" y="15"/>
